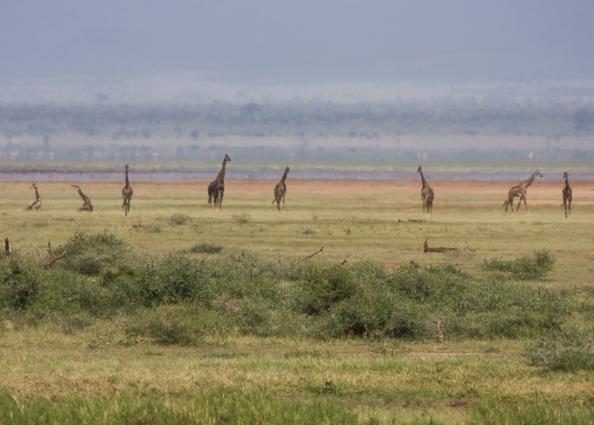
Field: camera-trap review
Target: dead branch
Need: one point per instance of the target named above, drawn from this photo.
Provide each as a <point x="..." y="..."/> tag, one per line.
<point x="54" y="260"/>
<point x="314" y="254"/>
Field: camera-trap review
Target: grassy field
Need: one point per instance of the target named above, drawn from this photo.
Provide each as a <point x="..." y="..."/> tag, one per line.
<point x="58" y="371"/>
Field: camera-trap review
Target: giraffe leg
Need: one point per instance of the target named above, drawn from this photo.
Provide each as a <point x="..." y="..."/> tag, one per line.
<point x="221" y="193"/>
<point x="565" y="206"/>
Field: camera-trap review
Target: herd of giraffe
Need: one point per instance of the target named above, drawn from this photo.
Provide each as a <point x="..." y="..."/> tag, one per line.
<point x="216" y="190"/>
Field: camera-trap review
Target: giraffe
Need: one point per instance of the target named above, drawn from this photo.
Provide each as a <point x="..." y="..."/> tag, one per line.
<point x="519" y="191"/>
<point x="36" y="204"/>
<point x="567" y="195"/>
<point x="127" y="193"/>
<point x="427" y="194"/>
<point x="87" y="205"/>
<point x="216" y="188"/>
<point x="280" y="190"/>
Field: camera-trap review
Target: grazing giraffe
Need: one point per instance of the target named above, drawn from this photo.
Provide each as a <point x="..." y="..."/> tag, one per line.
<point x="216" y="188"/>
<point x="87" y="205"/>
<point x="127" y="193"/>
<point x="427" y="194"/>
<point x="36" y="205"/>
<point x="280" y="190"/>
<point x="519" y="191"/>
<point x="567" y="195"/>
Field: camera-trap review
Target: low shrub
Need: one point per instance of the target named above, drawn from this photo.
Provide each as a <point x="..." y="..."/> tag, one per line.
<point x="325" y="286"/>
<point x="176" y="325"/>
<point x="19" y="282"/>
<point x="564" y="349"/>
<point x="179" y="219"/>
<point x="524" y="267"/>
<point x="205" y="248"/>
<point x="93" y="254"/>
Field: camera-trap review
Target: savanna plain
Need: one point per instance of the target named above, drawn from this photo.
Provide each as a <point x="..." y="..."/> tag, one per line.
<point x="181" y="313"/>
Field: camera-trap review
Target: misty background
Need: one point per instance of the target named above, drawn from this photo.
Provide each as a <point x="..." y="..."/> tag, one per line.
<point x="333" y="82"/>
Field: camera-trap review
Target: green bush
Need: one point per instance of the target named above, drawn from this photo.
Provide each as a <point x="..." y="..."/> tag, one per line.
<point x="565" y="349"/>
<point x="173" y="279"/>
<point x="524" y="267"/>
<point x="176" y="325"/>
<point x="94" y="254"/>
<point x="325" y="286"/>
<point x="19" y="282"/>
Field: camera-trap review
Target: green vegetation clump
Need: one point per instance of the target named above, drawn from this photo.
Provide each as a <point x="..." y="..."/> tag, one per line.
<point x="19" y="282"/>
<point x="205" y="248"/>
<point x="179" y="219"/>
<point x="93" y="254"/>
<point x="563" y="349"/>
<point x="180" y="300"/>
<point x="524" y="267"/>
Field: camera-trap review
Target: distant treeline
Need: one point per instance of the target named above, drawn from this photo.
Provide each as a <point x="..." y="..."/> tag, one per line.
<point x="102" y="131"/>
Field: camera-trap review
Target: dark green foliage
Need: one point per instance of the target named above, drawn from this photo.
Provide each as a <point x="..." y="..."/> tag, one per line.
<point x="325" y="286"/>
<point x="19" y="282"/>
<point x="93" y="254"/>
<point x="524" y="267"/>
<point x="254" y="296"/>
<point x="175" y="325"/>
<point x="562" y="349"/>
<point x="172" y="279"/>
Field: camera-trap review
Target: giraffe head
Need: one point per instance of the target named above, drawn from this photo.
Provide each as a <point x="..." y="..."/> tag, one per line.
<point x="538" y="173"/>
<point x="34" y="185"/>
<point x="419" y="170"/>
<point x="126" y="167"/>
<point x="77" y="187"/>
<point x="565" y="175"/>
<point x="287" y="170"/>
<point x="227" y="158"/>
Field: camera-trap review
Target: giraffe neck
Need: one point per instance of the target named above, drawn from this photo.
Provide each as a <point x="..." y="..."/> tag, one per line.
<point x="566" y="181"/>
<point x="36" y="193"/>
<point x="529" y="181"/>
<point x="423" y="181"/>
<point x="127" y="180"/>
<point x="221" y="175"/>
<point x="284" y="177"/>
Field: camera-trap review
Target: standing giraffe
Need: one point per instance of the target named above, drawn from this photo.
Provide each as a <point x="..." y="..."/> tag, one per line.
<point x="567" y="195"/>
<point x="519" y="191"/>
<point x="280" y="190"/>
<point x="216" y="188"/>
<point x="427" y="194"/>
<point x="127" y="193"/>
<point x="36" y="205"/>
<point x="87" y="205"/>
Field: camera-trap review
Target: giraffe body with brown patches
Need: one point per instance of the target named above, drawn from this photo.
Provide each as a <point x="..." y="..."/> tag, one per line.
<point x="36" y="204"/>
<point x="280" y="190"/>
<point x="87" y="205"/>
<point x="427" y="193"/>
<point x="216" y="188"/>
<point x="127" y="193"/>
<point x="520" y="191"/>
<point x="567" y="195"/>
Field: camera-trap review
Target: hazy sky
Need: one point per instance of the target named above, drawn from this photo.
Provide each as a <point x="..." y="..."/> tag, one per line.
<point x="300" y="40"/>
